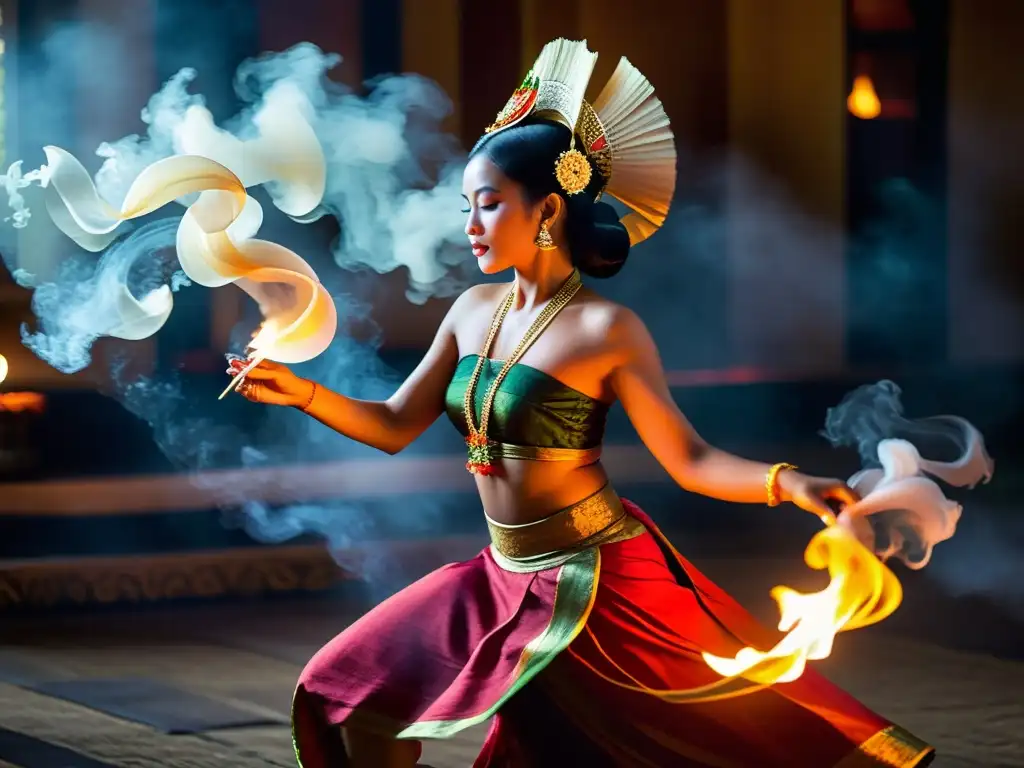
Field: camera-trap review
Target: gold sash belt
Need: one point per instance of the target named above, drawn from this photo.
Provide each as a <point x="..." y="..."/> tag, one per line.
<point x="597" y="519"/>
<point x="536" y="453"/>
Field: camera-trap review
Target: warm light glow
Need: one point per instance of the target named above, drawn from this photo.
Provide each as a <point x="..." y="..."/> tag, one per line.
<point x="3" y="368"/>
<point x="882" y="15"/>
<point x="861" y="591"/>
<point x="22" y="402"/>
<point x="863" y="101"/>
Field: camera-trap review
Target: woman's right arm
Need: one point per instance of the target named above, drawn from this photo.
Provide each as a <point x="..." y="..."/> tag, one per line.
<point x="392" y="424"/>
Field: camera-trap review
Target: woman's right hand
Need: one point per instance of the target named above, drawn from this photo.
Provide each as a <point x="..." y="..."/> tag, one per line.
<point x="273" y="384"/>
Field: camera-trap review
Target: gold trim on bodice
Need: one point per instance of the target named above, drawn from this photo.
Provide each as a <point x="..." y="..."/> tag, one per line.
<point x="598" y="519"/>
<point x="584" y="456"/>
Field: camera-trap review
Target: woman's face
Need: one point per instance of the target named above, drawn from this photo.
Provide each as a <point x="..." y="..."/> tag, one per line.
<point x="501" y="223"/>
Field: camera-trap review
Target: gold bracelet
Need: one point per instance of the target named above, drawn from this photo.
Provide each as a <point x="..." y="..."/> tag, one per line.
<point x="771" y="483"/>
<point x="310" y="401"/>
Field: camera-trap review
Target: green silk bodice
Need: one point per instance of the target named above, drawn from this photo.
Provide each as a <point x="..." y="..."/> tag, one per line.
<point x="531" y="408"/>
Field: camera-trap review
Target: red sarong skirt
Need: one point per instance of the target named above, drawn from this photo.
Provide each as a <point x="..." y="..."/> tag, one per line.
<point x="535" y="651"/>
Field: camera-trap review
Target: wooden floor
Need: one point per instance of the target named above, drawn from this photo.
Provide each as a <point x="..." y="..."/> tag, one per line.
<point x="234" y="655"/>
<point x="966" y="703"/>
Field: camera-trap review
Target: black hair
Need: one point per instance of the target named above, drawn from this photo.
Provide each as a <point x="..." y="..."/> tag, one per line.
<point x="598" y="242"/>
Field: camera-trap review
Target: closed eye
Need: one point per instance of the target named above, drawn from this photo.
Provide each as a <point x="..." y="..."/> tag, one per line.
<point x="488" y="207"/>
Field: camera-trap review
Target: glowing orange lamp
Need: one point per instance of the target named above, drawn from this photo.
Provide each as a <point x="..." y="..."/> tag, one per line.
<point x="18" y="401"/>
<point x="863" y="102"/>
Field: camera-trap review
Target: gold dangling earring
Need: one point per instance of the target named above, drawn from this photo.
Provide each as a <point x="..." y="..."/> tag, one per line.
<point x="544" y="241"/>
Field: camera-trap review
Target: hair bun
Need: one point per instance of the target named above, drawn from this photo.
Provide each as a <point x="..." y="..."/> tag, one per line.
<point x="601" y="244"/>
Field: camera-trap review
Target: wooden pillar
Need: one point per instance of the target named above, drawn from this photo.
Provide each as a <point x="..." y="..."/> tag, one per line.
<point x="431" y="47"/>
<point x="544" y="20"/>
<point x="490" y="62"/>
<point x="786" y="185"/>
<point x="334" y="26"/>
<point x="679" y="47"/>
<point x="986" y="122"/>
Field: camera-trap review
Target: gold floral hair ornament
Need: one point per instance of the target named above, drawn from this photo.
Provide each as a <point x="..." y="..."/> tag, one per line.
<point x="572" y="169"/>
<point x="624" y="135"/>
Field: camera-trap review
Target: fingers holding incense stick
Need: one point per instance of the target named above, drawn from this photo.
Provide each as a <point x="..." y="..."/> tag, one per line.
<point x="243" y="371"/>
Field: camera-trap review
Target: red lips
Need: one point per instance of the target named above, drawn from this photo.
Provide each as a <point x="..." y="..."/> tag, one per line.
<point x="479" y="249"/>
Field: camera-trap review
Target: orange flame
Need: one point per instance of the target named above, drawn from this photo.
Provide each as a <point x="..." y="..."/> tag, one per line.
<point x="861" y="591"/>
<point x="863" y="102"/>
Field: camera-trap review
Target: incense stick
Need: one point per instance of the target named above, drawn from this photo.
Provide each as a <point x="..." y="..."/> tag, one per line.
<point x="240" y="377"/>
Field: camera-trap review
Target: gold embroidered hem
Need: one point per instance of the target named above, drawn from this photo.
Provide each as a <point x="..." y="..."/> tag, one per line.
<point x="584" y="456"/>
<point x="892" y="747"/>
<point x="596" y="520"/>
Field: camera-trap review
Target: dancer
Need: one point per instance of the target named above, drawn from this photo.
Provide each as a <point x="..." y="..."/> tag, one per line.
<point x="576" y="625"/>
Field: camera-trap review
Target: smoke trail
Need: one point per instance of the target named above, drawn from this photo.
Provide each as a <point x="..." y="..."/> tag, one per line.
<point x="985" y="555"/>
<point x="393" y="182"/>
<point x="744" y="274"/>
<point x="198" y="433"/>
<point x="392" y="174"/>
<point x="85" y="300"/>
<point x="739" y="271"/>
<point x="13" y="182"/>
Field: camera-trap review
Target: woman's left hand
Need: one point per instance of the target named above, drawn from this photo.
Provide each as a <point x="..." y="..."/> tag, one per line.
<point x="821" y="496"/>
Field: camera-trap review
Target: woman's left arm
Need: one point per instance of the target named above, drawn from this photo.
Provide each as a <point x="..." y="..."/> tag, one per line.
<point x="638" y="380"/>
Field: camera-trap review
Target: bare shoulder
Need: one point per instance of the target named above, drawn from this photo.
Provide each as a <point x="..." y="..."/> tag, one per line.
<point x="610" y="322"/>
<point x="475" y="297"/>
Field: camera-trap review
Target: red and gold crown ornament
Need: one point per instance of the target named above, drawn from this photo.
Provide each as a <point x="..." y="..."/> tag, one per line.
<point x="518" y="105"/>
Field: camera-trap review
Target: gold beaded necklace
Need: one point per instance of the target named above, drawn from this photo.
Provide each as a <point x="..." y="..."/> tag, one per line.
<point x="479" y="447"/>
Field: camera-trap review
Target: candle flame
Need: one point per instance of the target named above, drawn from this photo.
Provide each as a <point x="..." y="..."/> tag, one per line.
<point x="863" y="102"/>
<point x="4" y="368"/>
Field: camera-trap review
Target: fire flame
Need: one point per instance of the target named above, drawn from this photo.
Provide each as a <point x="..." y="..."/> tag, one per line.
<point x="861" y="591"/>
<point x="4" y="368"/>
<point x="863" y="102"/>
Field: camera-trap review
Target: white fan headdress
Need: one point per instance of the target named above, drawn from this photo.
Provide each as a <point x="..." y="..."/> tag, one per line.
<point x="625" y="134"/>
